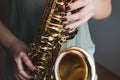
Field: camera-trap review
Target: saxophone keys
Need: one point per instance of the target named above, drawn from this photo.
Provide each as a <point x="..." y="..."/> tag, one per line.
<point x="50" y="38"/>
<point x="46" y="48"/>
<point x="60" y="3"/>
<point x="62" y="40"/>
<point x="56" y="27"/>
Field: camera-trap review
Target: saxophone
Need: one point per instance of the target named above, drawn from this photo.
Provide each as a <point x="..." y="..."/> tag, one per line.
<point x="52" y="64"/>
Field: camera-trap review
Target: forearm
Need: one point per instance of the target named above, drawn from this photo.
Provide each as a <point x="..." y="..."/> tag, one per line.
<point x="102" y="9"/>
<point x="18" y="50"/>
<point x="6" y="37"/>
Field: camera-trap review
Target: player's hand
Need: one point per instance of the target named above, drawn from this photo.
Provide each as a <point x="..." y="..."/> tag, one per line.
<point x="82" y="16"/>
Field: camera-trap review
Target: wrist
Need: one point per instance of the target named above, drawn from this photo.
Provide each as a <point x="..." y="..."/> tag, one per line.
<point x="17" y="46"/>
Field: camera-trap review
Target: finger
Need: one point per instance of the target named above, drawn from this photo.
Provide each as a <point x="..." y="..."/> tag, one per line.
<point x="21" y="77"/>
<point x="77" y="4"/>
<point x="21" y="70"/>
<point x="17" y="78"/>
<point x="79" y="15"/>
<point x="79" y="22"/>
<point x="27" y="61"/>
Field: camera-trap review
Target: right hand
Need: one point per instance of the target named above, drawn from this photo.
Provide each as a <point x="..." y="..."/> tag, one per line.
<point x="18" y="51"/>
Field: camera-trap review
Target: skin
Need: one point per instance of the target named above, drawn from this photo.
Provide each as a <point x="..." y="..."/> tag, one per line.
<point x="18" y="51"/>
<point x="96" y="9"/>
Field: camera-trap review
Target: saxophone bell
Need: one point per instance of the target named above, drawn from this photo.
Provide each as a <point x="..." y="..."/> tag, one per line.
<point x="74" y="64"/>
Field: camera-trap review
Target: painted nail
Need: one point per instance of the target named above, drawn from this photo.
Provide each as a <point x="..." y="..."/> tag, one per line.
<point x="64" y="19"/>
<point x="67" y="8"/>
<point x="68" y="29"/>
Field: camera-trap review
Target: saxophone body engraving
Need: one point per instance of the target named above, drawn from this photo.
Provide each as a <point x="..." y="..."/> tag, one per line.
<point x="46" y="46"/>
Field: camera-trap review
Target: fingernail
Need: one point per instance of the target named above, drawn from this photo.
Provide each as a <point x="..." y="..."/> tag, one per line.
<point x="34" y="71"/>
<point x="68" y="29"/>
<point x="67" y="8"/>
<point x="64" y="19"/>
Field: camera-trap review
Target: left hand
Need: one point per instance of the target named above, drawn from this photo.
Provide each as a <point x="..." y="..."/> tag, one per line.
<point x="82" y="16"/>
<point x="19" y="51"/>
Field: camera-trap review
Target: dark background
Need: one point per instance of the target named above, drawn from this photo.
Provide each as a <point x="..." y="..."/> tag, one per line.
<point x="105" y="34"/>
<point x="4" y="14"/>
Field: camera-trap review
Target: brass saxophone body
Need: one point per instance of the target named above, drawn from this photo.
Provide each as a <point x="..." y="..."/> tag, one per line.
<point x="70" y="64"/>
